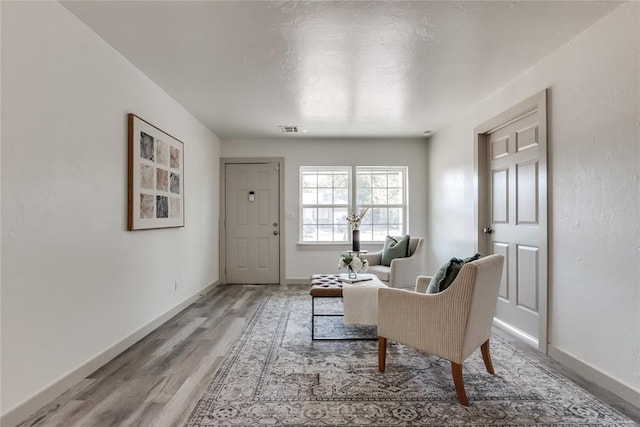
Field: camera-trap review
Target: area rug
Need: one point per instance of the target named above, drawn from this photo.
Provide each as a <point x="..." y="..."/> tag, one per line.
<point x="275" y="375"/>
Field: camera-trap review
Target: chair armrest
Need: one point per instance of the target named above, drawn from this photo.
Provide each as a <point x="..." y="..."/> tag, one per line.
<point x="374" y="258"/>
<point x="422" y="283"/>
<point x="432" y="323"/>
<point x="404" y="272"/>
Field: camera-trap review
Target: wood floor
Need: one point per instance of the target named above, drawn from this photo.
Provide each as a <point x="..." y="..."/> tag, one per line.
<point x="158" y="380"/>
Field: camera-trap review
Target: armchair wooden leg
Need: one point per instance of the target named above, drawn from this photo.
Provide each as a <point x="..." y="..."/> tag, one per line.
<point x="456" y="370"/>
<point x="382" y="353"/>
<point x="486" y="356"/>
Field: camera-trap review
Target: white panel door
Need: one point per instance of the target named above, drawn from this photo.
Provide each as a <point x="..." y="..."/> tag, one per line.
<point x="514" y="213"/>
<point x="252" y="231"/>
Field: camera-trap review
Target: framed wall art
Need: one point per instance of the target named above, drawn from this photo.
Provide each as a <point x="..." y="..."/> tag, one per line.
<point x="156" y="177"/>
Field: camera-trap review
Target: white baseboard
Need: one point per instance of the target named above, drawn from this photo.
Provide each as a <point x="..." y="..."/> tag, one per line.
<point x="528" y="339"/>
<point x="594" y="375"/>
<point x="298" y="281"/>
<point x="23" y="410"/>
<point x="588" y="372"/>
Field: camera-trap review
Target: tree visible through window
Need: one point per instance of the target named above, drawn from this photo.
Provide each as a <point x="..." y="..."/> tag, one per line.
<point x="327" y="194"/>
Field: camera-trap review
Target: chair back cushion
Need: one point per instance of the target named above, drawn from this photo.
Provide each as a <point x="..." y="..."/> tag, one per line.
<point x="413" y="245"/>
<point x="393" y="248"/>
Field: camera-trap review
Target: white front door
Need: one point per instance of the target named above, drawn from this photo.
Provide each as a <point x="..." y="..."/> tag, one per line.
<point x="515" y="225"/>
<point x="252" y="229"/>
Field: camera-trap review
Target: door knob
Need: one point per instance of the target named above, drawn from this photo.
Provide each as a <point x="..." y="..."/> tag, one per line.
<point x="275" y="232"/>
<point x="487" y="230"/>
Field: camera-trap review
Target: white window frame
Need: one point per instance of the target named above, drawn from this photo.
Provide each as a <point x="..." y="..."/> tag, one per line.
<point x="367" y="232"/>
<point x="347" y="206"/>
<point x="353" y="191"/>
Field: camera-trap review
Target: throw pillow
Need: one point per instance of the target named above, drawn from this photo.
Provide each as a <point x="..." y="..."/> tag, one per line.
<point x="446" y="274"/>
<point x="394" y="248"/>
<point x="472" y="258"/>
<point x="437" y="278"/>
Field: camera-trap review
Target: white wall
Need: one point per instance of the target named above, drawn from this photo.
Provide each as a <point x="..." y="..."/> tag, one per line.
<point x="303" y="260"/>
<point x="594" y="201"/>
<point x="74" y="282"/>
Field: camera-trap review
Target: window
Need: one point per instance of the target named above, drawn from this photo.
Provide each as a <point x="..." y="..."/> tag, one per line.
<point x="382" y="190"/>
<point x="327" y="194"/>
<point x="325" y="203"/>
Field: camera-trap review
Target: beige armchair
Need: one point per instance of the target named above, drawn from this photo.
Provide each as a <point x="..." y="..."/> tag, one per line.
<point x="402" y="272"/>
<point x="451" y="324"/>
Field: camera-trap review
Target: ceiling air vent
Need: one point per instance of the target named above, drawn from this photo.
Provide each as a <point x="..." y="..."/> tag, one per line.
<point x="288" y="129"/>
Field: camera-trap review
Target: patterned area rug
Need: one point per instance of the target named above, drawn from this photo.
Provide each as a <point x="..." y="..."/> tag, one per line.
<point x="275" y="375"/>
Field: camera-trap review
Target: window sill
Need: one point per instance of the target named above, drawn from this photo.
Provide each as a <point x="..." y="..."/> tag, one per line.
<point x="336" y="246"/>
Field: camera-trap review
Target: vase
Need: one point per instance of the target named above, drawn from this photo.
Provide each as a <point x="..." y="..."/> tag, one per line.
<point x="352" y="273"/>
<point x="355" y="238"/>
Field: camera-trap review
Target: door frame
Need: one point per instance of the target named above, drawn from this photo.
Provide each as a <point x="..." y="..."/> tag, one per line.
<point x="224" y="161"/>
<point x="481" y="206"/>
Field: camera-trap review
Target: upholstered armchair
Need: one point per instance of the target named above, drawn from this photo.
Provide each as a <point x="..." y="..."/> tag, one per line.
<point x="451" y="324"/>
<point x="402" y="272"/>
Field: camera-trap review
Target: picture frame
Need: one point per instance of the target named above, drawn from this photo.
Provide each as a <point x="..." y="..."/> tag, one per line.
<point x="156" y="177"/>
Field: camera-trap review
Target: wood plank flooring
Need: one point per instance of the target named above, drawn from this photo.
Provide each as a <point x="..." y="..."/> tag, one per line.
<point x="158" y="380"/>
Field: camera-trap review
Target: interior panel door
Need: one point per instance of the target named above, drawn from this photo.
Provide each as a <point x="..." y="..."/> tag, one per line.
<point x="514" y="215"/>
<point x="252" y="229"/>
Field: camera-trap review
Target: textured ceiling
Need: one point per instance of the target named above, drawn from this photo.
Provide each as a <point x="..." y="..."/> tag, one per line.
<point x="335" y="69"/>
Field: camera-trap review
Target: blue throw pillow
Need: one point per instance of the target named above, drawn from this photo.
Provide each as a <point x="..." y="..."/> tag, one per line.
<point x="446" y="274"/>
<point x="394" y="248"/>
